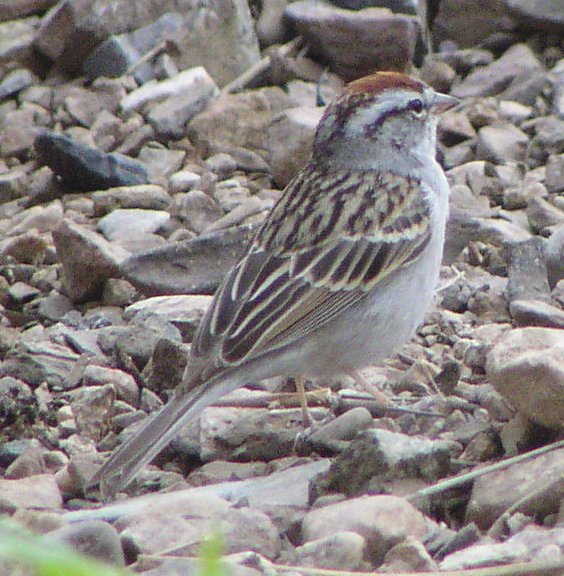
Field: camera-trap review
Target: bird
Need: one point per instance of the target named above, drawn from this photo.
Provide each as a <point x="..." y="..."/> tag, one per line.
<point x="340" y="272"/>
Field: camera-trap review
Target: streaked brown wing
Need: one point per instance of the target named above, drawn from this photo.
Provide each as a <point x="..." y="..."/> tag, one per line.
<point x="284" y="290"/>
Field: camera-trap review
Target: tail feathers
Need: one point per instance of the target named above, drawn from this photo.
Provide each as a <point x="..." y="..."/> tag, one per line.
<point x="160" y="428"/>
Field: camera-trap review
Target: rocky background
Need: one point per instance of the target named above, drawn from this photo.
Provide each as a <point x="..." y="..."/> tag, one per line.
<point x="141" y="143"/>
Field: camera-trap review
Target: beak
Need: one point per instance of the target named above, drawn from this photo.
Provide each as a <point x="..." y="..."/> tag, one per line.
<point x="443" y="102"/>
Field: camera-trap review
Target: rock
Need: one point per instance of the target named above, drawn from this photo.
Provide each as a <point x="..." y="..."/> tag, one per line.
<point x="191" y="267"/>
<point x="139" y="338"/>
<point x="408" y="556"/>
<point x="335" y="435"/>
<point x="168" y="362"/>
<point x="557" y="74"/>
<point x="223" y="471"/>
<point x="494" y="78"/>
<point x="123" y="383"/>
<point x="542" y="214"/>
<point x="458" y="21"/>
<point x="454" y="127"/>
<point x="526" y="367"/>
<point x="383" y="521"/>
<point x="183" y="181"/>
<point x="548" y="139"/>
<point x="195" y="82"/>
<point x="40" y="492"/>
<point x="219" y="37"/>
<point x="248" y="529"/>
<point x="526" y="87"/>
<point x="94" y="538"/>
<point x="197" y="209"/>
<point x="184" y="311"/>
<point x="378" y="457"/>
<point x="248" y="434"/>
<point x="501" y="143"/>
<point x="161" y="162"/>
<point x="118" y="292"/>
<point x="92" y="408"/>
<point x="290" y="140"/>
<point x="87" y="260"/>
<point x="536" y="313"/>
<point x="15" y="9"/>
<point x="118" y="53"/>
<point x="555" y="174"/>
<point x="237" y="120"/>
<point x="519" y="196"/>
<point x="382" y="40"/>
<point x="30" y="463"/>
<point x="270" y="26"/>
<point x="14" y="82"/>
<point x="86" y="168"/>
<point x="339" y="551"/>
<point x="169" y="117"/>
<point x="527" y="272"/>
<point x="124" y="223"/>
<point x="147" y="197"/>
<point x="45" y="218"/>
<point x="20" y="293"/>
<point x="544" y="15"/>
<point x="554" y="250"/>
<point x="153" y="535"/>
<point x="532" y="544"/>
<point x="38" y="362"/>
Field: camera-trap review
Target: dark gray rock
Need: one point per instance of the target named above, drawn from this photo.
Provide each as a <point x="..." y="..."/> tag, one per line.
<point x="85" y="168"/>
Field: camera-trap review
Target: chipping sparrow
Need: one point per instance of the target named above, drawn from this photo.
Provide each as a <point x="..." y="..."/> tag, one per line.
<point x="340" y="273"/>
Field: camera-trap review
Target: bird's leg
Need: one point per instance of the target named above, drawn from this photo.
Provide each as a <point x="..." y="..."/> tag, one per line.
<point x="369" y="388"/>
<point x="306" y="417"/>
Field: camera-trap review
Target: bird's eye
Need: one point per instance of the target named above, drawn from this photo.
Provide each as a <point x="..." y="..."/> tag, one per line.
<point x="416" y="106"/>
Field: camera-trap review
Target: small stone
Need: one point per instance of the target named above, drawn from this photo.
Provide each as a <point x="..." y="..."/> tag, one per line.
<point x="408" y="556"/>
<point x="555" y="174"/>
<point x="92" y="408"/>
<point x="519" y="196"/>
<point x="87" y="260"/>
<point x="492" y="79"/>
<point x="339" y="551"/>
<point x="85" y="168"/>
<point x="290" y="139"/>
<point x="221" y="164"/>
<point x="30" y="463"/>
<point x="125" y="386"/>
<point x="356" y="42"/>
<point x="501" y="143"/>
<point x="526" y="367"/>
<point x="20" y="293"/>
<point x="383" y="521"/>
<point x="118" y="292"/>
<point x="94" y="539"/>
<point x="146" y="196"/>
<point x="536" y="313"/>
<point x="185" y="312"/>
<point x="378" y="456"/>
<point x="124" y="223"/>
<point x="197" y="209"/>
<point x="183" y="181"/>
<point x="542" y="214"/>
<point x="40" y="492"/>
<point x="161" y="162"/>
